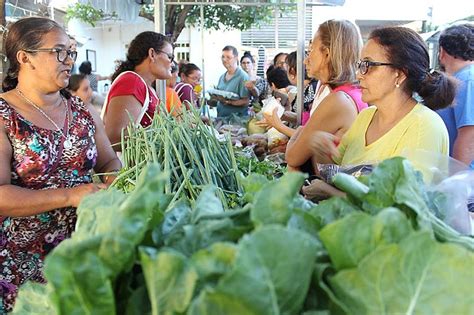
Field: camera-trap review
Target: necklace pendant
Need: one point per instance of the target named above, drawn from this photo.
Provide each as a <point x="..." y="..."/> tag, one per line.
<point x="67" y="143"/>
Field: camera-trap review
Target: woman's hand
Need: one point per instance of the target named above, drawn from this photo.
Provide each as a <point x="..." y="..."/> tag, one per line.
<point x="271" y="120"/>
<point x="250" y="84"/>
<point x="320" y="190"/>
<point x="323" y="146"/>
<point x="76" y="194"/>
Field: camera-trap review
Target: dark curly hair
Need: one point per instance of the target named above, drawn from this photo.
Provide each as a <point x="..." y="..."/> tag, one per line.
<point x="458" y="41"/>
<point x="138" y="50"/>
<point x="407" y="51"/>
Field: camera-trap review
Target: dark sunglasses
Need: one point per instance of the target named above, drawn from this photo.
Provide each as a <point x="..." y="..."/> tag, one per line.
<point x="170" y="56"/>
<point x="61" y="53"/>
<point x="364" y="65"/>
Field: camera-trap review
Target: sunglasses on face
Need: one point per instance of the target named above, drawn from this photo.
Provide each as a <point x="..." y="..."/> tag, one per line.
<point x="364" y="65"/>
<point x="61" y="53"/>
<point x="170" y="56"/>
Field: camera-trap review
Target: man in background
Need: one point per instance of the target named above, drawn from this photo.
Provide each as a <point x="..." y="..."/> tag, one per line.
<point x="456" y="55"/>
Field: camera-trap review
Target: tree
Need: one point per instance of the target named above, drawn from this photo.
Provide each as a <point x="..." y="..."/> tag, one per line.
<point x="215" y="17"/>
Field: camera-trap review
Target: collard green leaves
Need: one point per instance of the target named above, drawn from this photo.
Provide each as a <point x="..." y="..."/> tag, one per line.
<point x="273" y="203"/>
<point x="350" y="239"/>
<point x="417" y="276"/>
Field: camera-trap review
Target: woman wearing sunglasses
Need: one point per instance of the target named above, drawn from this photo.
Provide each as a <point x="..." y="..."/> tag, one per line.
<point x="394" y="75"/>
<point x="149" y="58"/>
<point x="49" y="145"/>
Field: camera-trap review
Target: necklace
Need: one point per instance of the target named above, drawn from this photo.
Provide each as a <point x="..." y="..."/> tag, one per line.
<point x="67" y="141"/>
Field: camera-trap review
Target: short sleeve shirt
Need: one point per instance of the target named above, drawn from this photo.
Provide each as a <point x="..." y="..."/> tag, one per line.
<point x="236" y="84"/>
<point x="421" y="129"/>
<point x="461" y="113"/>
<point x="132" y="84"/>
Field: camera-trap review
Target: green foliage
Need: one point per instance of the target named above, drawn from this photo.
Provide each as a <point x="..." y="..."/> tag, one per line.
<point x="86" y="13"/>
<point x="240" y="17"/>
<point x="416" y="276"/>
<point x="279" y="254"/>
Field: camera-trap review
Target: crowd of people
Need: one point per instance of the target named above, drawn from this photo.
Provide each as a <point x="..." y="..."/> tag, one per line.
<point x="362" y="104"/>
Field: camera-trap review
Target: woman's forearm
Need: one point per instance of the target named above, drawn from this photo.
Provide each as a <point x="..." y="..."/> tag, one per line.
<point x="16" y="201"/>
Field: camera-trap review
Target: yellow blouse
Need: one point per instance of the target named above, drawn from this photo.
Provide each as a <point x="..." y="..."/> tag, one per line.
<point x="421" y="129"/>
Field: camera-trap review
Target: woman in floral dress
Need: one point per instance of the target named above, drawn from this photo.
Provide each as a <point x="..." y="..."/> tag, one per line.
<point x="49" y="145"/>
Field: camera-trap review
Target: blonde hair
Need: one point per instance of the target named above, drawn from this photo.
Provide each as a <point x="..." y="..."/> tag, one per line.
<point x="343" y="40"/>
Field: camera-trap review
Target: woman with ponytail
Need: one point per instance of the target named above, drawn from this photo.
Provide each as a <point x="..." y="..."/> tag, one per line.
<point x="395" y="78"/>
<point x="49" y="145"/>
<point x="257" y="86"/>
<point x="149" y="58"/>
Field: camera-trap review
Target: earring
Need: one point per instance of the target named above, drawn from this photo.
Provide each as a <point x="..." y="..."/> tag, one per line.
<point x="397" y="85"/>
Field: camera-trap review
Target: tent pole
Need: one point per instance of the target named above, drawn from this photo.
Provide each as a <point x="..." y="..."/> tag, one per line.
<point x="300" y="55"/>
<point x="160" y="28"/>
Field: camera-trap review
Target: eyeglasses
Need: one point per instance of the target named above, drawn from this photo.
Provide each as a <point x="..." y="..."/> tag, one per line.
<point x="62" y="53"/>
<point x="170" y="56"/>
<point x="364" y="65"/>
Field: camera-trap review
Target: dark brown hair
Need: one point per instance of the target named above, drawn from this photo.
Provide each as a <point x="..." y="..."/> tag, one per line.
<point x="187" y="69"/>
<point x="458" y="41"/>
<point x="232" y="49"/>
<point x="138" y="50"/>
<point x="406" y="50"/>
<point x="75" y="82"/>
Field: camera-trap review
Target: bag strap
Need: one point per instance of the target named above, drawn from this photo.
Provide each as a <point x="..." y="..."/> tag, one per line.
<point x="145" y="104"/>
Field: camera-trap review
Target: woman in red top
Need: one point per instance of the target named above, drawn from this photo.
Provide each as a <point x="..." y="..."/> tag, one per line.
<point x="149" y="58"/>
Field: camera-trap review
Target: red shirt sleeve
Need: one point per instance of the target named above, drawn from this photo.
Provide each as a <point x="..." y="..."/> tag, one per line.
<point x="128" y="84"/>
<point x="132" y="84"/>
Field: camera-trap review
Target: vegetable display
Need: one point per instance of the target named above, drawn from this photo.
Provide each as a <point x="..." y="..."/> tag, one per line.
<point x="378" y="251"/>
<point x="188" y="150"/>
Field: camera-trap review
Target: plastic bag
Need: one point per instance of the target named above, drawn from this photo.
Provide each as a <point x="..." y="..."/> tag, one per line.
<point x="276" y="138"/>
<point x="327" y="171"/>
<point x="269" y="105"/>
<point x="453" y="179"/>
<point x="435" y="167"/>
<point x="458" y="191"/>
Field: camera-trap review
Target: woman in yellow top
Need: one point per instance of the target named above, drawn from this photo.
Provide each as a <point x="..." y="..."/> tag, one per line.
<point x="394" y="69"/>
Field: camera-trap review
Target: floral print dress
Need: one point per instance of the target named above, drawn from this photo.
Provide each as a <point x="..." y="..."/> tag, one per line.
<point x="25" y="241"/>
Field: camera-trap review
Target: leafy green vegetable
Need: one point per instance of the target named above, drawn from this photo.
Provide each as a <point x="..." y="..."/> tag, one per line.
<point x="350" y="239"/>
<point x="213" y="262"/>
<point x="78" y="288"/>
<point x="31" y="300"/>
<point x="207" y="204"/>
<point x="170" y="280"/>
<point x="253" y="184"/>
<point x="265" y="278"/>
<point x="82" y="269"/>
<point x="272" y="204"/>
<point x="394" y="183"/>
<point x="331" y="210"/>
<point x="417" y="276"/>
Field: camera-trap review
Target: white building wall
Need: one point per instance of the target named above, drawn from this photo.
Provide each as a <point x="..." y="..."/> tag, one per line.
<point x="109" y="41"/>
<point x="211" y="49"/>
